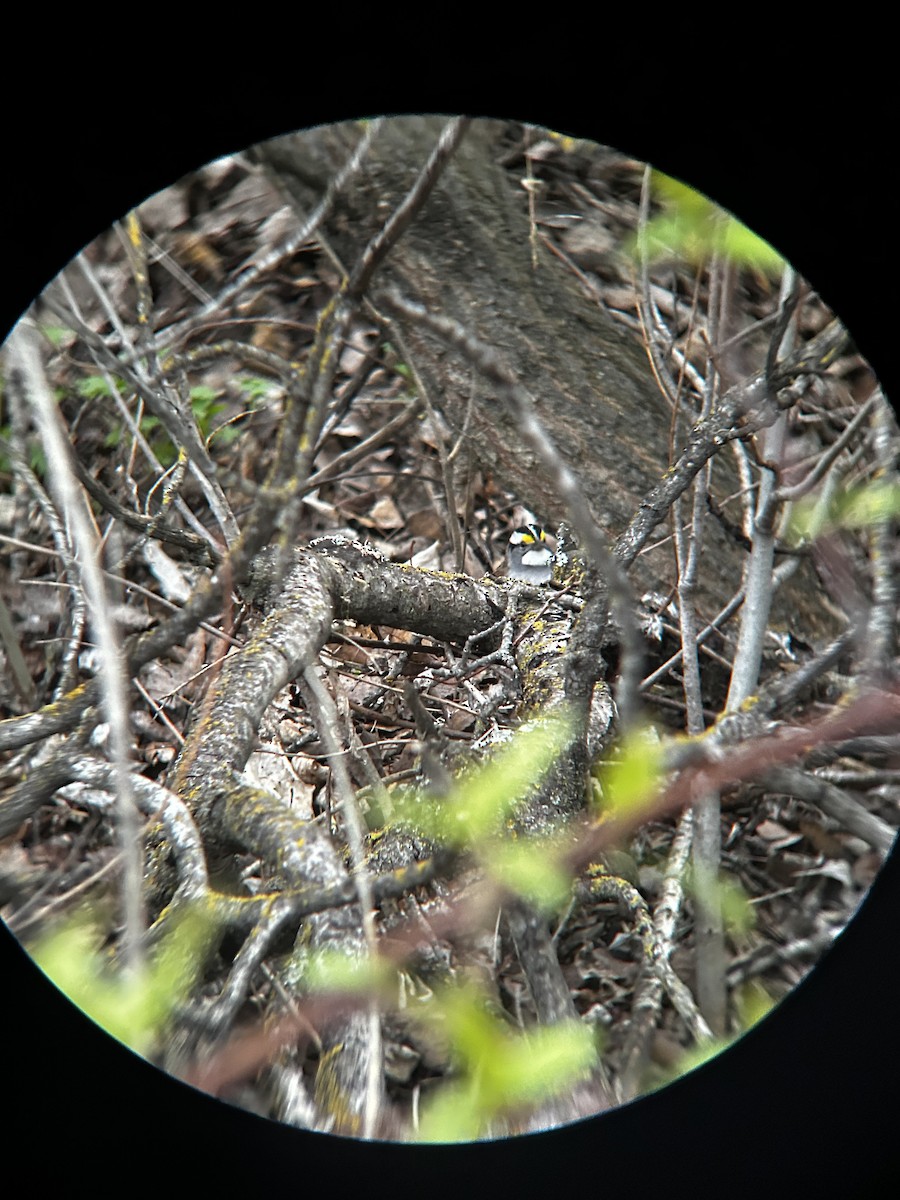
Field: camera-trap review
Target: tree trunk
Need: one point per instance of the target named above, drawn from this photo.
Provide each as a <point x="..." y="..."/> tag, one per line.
<point x="468" y="256"/>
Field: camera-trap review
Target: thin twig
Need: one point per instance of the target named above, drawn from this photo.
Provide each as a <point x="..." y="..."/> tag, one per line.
<point x="327" y="724"/>
<point x="23" y="350"/>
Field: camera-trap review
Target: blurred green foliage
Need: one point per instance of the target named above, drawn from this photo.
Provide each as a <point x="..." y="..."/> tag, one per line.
<point x="630" y="779"/>
<point x="93" y="387"/>
<point x="206" y="405"/>
<point x="855" y="507"/>
<point x="498" y="1069"/>
<point x="692" y="229"/>
<point x="726" y="896"/>
<point x="132" y="1006"/>
<point x="485" y="796"/>
<point x="327" y="970"/>
<point x="256" y="387"/>
<point x="476" y="816"/>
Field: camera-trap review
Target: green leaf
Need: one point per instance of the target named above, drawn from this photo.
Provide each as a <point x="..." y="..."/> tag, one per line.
<point x="745" y="248"/>
<point x="486" y="796"/>
<point x="131" y="1006"/>
<point x="694" y="229"/>
<point x="753" y="1003"/>
<point x="500" y="1069"/>
<point x="866" y="505"/>
<point x="738" y="914"/>
<point x="92" y="387"/>
<point x="202" y="396"/>
<point x="684" y="199"/>
<point x="545" y="1061"/>
<point x="226" y="435"/>
<point x="725" y="894"/>
<point x="56" y="334"/>
<point x="858" y="507"/>
<point x="632" y="780"/>
<point x="698" y="1055"/>
<point x="206" y="406"/>
<point x="333" y="971"/>
<point x="482" y="799"/>
<point x="474" y="1034"/>
<point x="255" y="387"/>
<point x="453" y="1115"/>
<point x="531" y="870"/>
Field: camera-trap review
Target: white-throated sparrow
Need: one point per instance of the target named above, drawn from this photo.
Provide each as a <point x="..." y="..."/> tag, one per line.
<point x="528" y="557"/>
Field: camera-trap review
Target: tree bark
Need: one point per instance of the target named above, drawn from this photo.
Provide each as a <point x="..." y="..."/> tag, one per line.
<point x="468" y="256"/>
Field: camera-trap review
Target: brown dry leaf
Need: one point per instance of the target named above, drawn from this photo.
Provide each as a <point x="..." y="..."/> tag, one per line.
<point x="771" y="831"/>
<point x="269" y="768"/>
<point x="425" y="523"/>
<point x="590" y="244"/>
<point x="197" y="253"/>
<point x="403" y="635"/>
<point x="428" y="557"/>
<point x="270" y="337"/>
<point x="385" y="514"/>
<point x="348" y="652"/>
<point x="460" y="721"/>
<point x="822" y="839"/>
<point x="350" y="426"/>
